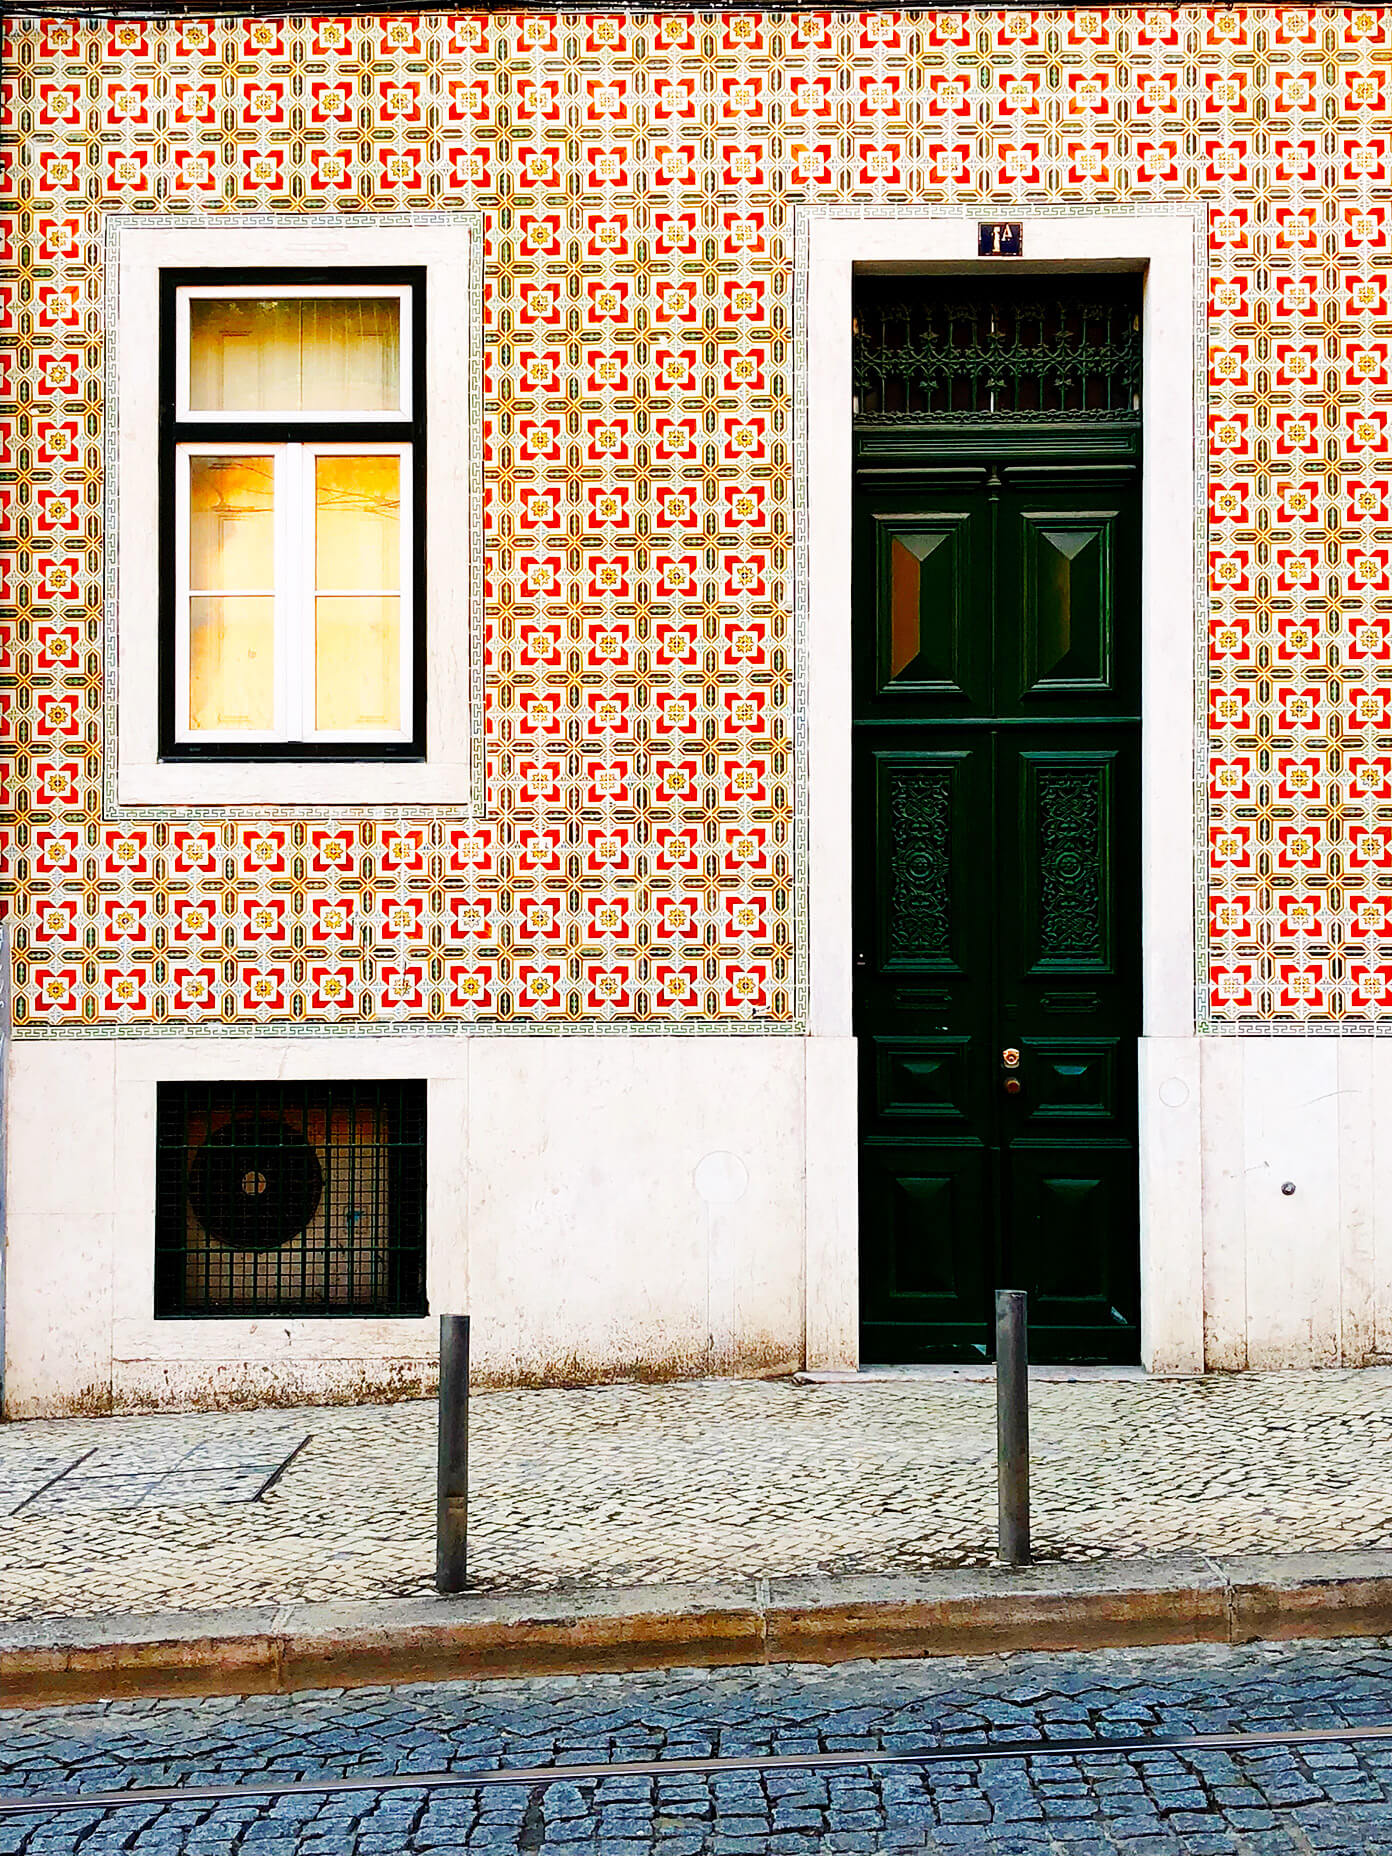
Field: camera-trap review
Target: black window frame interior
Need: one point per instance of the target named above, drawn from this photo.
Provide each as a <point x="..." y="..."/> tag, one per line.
<point x="286" y="279"/>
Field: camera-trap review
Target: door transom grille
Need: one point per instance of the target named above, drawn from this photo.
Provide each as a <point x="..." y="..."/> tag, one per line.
<point x="929" y="349"/>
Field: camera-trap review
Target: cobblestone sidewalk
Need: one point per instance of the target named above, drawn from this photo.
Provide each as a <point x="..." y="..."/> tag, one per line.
<point x="630" y="1485"/>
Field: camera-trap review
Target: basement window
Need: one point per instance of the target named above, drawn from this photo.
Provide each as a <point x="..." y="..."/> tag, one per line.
<point x="290" y="1199"/>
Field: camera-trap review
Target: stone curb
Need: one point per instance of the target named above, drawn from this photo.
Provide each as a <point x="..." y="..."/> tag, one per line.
<point x="1112" y="1604"/>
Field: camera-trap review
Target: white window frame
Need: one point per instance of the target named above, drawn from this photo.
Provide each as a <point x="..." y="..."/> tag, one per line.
<point x="294" y="591"/>
<point x="265" y="293"/>
<point x="142" y="248"/>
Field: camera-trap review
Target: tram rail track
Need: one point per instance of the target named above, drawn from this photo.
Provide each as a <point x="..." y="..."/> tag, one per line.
<point x="459" y="1778"/>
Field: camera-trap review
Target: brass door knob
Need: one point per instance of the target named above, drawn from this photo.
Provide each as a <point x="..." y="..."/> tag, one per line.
<point x="1012" y="1085"/>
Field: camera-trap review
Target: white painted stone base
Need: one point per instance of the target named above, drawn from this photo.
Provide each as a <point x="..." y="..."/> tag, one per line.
<point x="1237" y="1272"/>
<point x="603" y="1207"/>
<point x="656" y="1207"/>
<point x="1301" y="1278"/>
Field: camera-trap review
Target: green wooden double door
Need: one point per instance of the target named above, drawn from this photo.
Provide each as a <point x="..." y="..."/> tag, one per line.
<point x="997" y="830"/>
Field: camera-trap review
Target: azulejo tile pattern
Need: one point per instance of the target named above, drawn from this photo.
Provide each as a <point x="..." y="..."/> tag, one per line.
<point x="636" y="175"/>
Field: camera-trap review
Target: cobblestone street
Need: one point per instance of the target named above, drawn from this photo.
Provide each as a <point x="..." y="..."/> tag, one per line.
<point x="629" y="1485"/>
<point x="1333" y="1800"/>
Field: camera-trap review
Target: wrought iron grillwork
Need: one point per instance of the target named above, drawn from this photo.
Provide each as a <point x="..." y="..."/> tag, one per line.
<point x="947" y="349"/>
<point x="290" y="1199"/>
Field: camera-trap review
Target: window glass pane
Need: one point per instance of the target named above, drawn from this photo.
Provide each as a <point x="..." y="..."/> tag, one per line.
<point x="294" y="354"/>
<point x="350" y="353"/>
<point x="232" y="663"/>
<point x="231" y="524"/>
<point x="357" y="663"/>
<point x="357" y="524"/>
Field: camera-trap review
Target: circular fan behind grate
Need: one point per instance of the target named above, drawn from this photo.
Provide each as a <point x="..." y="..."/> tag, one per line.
<point x="256" y="1183"/>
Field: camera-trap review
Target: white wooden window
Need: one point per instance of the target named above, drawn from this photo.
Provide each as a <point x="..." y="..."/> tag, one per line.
<point x="293" y="557"/>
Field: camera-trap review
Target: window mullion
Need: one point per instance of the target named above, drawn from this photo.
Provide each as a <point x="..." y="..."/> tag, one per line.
<point x="183" y="603"/>
<point x="307" y="603"/>
<point x="291" y="602"/>
<point x="284" y="544"/>
<point x="406" y="592"/>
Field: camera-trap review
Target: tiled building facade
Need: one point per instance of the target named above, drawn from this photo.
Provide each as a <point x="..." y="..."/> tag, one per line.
<point x="629" y="851"/>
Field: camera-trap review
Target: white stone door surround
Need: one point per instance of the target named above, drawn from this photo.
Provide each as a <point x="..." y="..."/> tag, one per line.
<point x="1168" y="245"/>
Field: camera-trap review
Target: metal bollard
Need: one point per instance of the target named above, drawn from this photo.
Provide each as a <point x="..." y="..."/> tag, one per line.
<point x="452" y="1465"/>
<point x="1012" y="1425"/>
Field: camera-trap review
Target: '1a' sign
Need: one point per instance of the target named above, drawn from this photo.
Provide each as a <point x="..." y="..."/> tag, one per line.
<point x="1000" y="238"/>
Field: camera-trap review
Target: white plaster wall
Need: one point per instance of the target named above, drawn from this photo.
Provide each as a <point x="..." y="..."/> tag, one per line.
<point x="660" y="1205"/>
<point x="635" y="1204"/>
<point x="1170" y="1104"/>
<point x="1236" y="1273"/>
<point x="601" y="1206"/>
<point x="61" y="1171"/>
<point x="1299" y="1279"/>
<point x="832" y="1207"/>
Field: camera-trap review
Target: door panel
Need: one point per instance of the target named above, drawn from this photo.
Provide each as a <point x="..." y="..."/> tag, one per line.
<point x="927" y="561"/>
<point x="996" y="914"/>
<point x="1069" y="1205"/>
<point x="923" y="1271"/>
<point x="1070" y="859"/>
<point x="924" y="644"/>
<point x="925" y="805"/>
<point x="1068" y="827"/>
<point x="1069" y="1079"/>
<point x="1067" y="640"/>
<point x="923" y="1079"/>
<point x="1067" y="602"/>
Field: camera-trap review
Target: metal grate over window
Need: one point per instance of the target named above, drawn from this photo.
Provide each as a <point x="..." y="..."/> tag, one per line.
<point x="290" y="1199"/>
<point x="1012" y="350"/>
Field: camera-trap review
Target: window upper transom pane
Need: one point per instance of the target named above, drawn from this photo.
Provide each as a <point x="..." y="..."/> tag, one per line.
<point x="307" y="353"/>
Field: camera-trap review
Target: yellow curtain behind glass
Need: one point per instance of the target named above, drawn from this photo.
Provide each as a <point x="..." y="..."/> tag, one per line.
<point x="357" y="575"/>
<point x="232" y="593"/>
<point x="294" y="354"/>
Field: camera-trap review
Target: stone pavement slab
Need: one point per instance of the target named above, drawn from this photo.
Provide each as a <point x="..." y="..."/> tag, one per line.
<point x="165" y="1472"/>
<point x="625" y="1486"/>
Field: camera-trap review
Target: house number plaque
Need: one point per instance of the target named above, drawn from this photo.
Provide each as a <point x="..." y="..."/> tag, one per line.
<point x="1000" y="238"/>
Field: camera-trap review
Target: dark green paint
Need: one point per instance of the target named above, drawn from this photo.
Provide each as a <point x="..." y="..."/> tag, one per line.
<point x="997" y="890"/>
